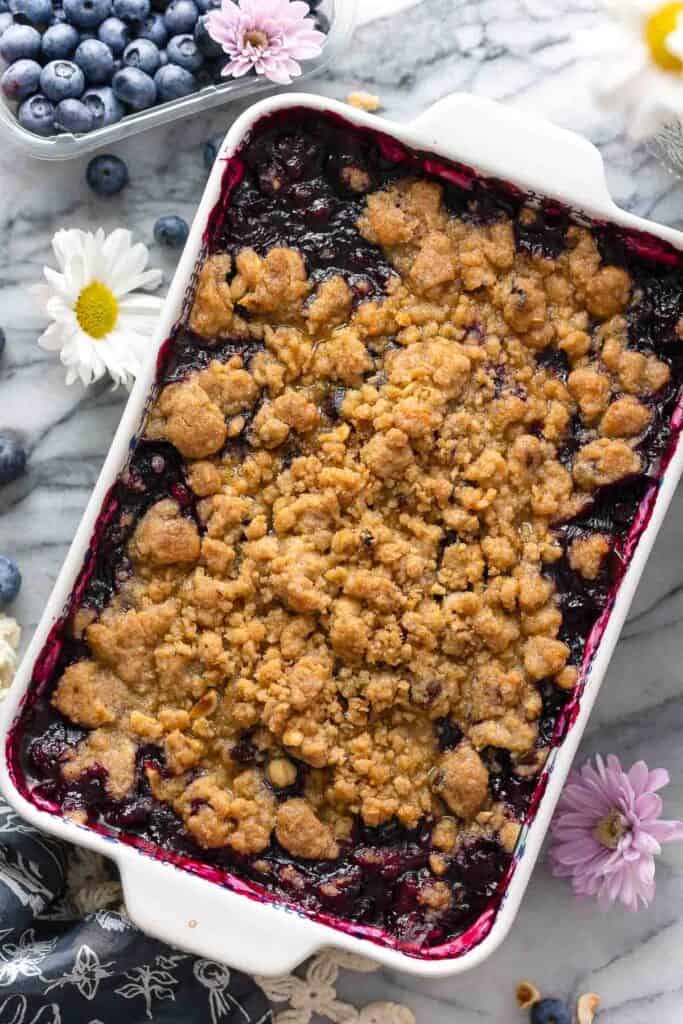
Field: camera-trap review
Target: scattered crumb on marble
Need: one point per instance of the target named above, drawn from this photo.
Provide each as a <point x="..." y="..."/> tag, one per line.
<point x="527" y="994"/>
<point x="364" y="101"/>
<point x="586" y="1007"/>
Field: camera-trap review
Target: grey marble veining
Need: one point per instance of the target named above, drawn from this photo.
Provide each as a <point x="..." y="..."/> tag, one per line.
<point x="532" y="53"/>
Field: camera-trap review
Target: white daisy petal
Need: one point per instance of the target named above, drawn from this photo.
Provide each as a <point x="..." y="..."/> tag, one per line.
<point x="52" y="338"/>
<point x="133" y="302"/>
<point x="121" y="267"/>
<point x="60" y="284"/>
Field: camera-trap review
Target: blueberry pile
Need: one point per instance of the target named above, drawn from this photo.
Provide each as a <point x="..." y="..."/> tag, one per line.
<point x="77" y="65"/>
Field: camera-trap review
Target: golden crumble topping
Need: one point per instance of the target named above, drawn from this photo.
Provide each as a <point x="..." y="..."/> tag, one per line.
<point x="371" y="561"/>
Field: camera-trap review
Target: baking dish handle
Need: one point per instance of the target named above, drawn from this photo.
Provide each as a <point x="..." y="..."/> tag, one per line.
<point x="507" y="143"/>
<point x="192" y="913"/>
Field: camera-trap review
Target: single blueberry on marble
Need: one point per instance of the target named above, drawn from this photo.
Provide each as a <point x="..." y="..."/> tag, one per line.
<point x="171" y="231"/>
<point x="12" y="459"/>
<point x="10" y="580"/>
<point x="106" y="174"/>
<point x="550" y="1011"/>
<point x="210" y="150"/>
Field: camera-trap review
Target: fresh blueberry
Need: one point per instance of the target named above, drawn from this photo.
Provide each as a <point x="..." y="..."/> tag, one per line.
<point x="207" y="5"/>
<point x="171" y="231"/>
<point x="10" y="580"/>
<point x="550" y="1011"/>
<point x="74" y="116"/>
<point x="143" y="54"/>
<point x="31" y="12"/>
<point x="172" y="82"/>
<point x="204" y="76"/>
<point x="62" y="80"/>
<point x="37" y="115"/>
<point x="60" y="42"/>
<point x="210" y="150"/>
<point x="131" y="10"/>
<point x="154" y="29"/>
<point x="87" y="13"/>
<point x="12" y="459"/>
<point x="215" y="67"/>
<point x="95" y="60"/>
<point x="115" y="34"/>
<point x="205" y="44"/>
<point x="19" y="41"/>
<point x="183" y="51"/>
<point x="20" y="79"/>
<point x="180" y="17"/>
<point x="322" y="22"/>
<point x="106" y="174"/>
<point x="3" y="342"/>
<point x="134" y="87"/>
<point x="103" y="105"/>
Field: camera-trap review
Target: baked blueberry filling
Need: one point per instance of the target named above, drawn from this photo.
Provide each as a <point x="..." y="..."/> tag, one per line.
<point x="398" y="449"/>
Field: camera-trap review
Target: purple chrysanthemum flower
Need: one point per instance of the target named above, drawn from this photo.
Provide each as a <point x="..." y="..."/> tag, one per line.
<point x="269" y="36"/>
<point x="607" y="832"/>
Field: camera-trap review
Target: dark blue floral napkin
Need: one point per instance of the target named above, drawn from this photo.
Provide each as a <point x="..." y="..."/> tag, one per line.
<point x="57" y="968"/>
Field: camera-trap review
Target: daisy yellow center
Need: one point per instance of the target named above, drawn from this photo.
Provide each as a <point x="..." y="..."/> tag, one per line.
<point x="97" y="310"/>
<point x="610" y="829"/>
<point x="658" y="27"/>
<point x="257" y="38"/>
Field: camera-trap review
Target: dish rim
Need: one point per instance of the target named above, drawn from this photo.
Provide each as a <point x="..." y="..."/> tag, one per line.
<point x="269" y="938"/>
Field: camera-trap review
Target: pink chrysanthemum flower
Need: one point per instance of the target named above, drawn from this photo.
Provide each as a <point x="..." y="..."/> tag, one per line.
<point x="270" y="36"/>
<point x="607" y="832"/>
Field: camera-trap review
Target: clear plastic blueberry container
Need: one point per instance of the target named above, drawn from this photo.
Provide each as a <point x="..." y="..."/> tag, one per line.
<point x="342" y="15"/>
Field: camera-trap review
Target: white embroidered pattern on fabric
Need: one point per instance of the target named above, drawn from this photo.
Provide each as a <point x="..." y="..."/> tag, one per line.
<point x="315" y="994"/>
<point x="91" y="890"/>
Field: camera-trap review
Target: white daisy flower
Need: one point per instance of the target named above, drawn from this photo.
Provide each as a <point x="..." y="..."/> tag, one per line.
<point x="101" y="323"/>
<point x="642" y="71"/>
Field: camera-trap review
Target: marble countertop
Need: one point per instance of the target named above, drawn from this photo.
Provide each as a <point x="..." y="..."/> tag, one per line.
<point x="530" y="53"/>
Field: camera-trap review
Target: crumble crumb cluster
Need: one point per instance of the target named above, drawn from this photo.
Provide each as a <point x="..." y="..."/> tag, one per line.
<point x="377" y="489"/>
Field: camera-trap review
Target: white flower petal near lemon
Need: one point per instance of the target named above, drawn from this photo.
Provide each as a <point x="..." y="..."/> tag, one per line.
<point x="641" y="72"/>
<point x="101" y="320"/>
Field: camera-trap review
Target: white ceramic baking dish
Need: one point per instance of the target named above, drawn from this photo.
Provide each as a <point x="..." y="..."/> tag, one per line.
<point x="200" y="915"/>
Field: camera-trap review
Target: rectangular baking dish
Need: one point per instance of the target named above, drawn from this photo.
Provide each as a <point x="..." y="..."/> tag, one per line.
<point x="341" y="15"/>
<point x="230" y="924"/>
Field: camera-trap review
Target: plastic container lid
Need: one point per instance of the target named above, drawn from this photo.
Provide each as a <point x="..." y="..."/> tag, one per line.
<point x="342" y="15"/>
